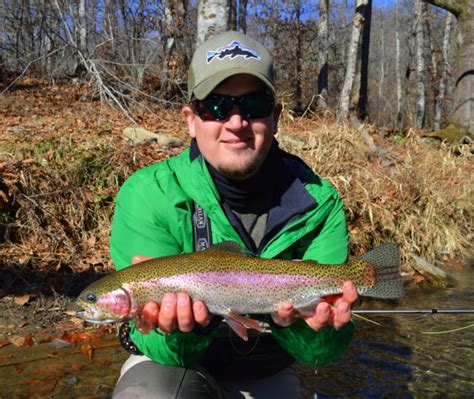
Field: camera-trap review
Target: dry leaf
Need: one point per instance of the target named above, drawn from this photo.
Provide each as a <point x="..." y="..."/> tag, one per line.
<point x="21" y="341"/>
<point x="4" y="342"/>
<point x="22" y="299"/>
<point x="88" y="351"/>
<point x="5" y="357"/>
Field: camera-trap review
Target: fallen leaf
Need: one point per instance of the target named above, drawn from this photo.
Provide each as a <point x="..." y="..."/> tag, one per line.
<point x="8" y="326"/>
<point x="21" y="341"/>
<point x="88" y="351"/>
<point x="76" y="366"/>
<point x="5" y="357"/>
<point x="22" y="299"/>
<point x="4" y="342"/>
<point x="42" y="336"/>
<point x="418" y="279"/>
<point x="84" y="336"/>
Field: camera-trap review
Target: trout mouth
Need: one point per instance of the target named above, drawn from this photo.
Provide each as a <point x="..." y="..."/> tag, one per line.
<point x="84" y="315"/>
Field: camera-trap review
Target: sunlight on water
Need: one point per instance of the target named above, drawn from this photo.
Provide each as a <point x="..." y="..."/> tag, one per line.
<point x="398" y="360"/>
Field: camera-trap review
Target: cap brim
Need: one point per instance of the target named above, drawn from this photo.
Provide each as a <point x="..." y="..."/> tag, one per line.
<point x="203" y="89"/>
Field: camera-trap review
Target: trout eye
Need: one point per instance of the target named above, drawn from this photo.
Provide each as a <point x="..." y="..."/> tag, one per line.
<point x="90" y="297"/>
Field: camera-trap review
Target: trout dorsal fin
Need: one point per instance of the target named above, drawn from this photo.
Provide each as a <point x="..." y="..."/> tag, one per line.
<point x="229" y="246"/>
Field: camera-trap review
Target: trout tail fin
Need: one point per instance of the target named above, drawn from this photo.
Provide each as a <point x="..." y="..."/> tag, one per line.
<point x="389" y="283"/>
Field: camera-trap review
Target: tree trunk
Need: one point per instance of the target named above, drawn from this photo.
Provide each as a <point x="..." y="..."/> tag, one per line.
<point x="173" y="58"/>
<point x="398" y="76"/>
<point x="461" y="121"/>
<point x="357" y="26"/>
<point x="382" y="57"/>
<point x="444" y="72"/>
<point x="82" y="22"/>
<point x="110" y="26"/>
<point x="298" y="109"/>
<point x="213" y="18"/>
<point x="420" y="65"/>
<point x="323" y="53"/>
<point x="242" y="25"/>
<point x="362" y="104"/>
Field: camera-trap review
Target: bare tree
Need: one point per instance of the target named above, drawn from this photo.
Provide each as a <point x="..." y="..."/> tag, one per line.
<point x="364" y="62"/>
<point x="323" y="53"/>
<point x="82" y="25"/>
<point x="461" y="121"/>
<point x="242" y="26"/>
<point x="420" y="64"/>
<point x="173" y="34"/>
<point x="298" y="92"/>
<point x="398" y="77"/>
<point x="213" y="18"/>
<point x="444" y="72"/>
<point x="357" y="26"/>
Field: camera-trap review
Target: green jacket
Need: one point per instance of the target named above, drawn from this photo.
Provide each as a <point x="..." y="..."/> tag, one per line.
<point x="153" y="218"/>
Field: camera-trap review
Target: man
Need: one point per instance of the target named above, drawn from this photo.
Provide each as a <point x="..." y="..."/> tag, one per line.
<point x="232" y="184"/>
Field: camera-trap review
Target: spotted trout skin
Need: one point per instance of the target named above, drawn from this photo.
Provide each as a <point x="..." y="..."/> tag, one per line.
<point x="228" y="281"/>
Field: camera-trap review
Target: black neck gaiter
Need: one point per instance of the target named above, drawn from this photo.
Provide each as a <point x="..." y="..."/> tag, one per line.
<point x="253" y="194"/>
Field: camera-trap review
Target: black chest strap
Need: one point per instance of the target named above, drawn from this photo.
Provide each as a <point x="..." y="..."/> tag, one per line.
<point x="201" y="229"/>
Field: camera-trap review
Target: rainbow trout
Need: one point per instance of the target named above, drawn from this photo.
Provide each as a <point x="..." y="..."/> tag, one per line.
<point x="233" y="283"/>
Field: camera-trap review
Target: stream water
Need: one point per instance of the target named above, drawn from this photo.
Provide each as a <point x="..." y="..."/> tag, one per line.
<point x="394" y="360"/>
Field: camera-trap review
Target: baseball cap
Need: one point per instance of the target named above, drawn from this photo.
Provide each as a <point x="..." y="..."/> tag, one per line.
<point x="224" y="55"/>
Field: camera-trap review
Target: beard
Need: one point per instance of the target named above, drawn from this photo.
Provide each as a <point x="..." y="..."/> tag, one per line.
<point x="243" y="168"/>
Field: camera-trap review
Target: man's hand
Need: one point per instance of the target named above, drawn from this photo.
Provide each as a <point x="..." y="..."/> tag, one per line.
<point x="335" y="311"/>
<point x="176" y="310"/>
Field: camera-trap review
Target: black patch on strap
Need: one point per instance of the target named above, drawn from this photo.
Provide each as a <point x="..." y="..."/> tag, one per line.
<point x="201" y="229"/>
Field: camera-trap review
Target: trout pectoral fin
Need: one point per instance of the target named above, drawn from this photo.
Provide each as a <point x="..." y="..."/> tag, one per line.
<point x="240" y="323"/>
<point x="143" y="324"/>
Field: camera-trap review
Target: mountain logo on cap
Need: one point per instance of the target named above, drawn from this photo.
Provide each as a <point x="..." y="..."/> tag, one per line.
<point x="233" y="50"/>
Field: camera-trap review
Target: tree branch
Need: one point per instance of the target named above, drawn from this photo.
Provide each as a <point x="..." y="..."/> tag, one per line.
<point x="453" y="6"/>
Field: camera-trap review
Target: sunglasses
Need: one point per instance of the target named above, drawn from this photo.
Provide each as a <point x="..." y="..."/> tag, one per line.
<point x="218" y="107"/>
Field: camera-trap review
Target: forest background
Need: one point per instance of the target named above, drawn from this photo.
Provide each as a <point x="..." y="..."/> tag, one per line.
<point x="366" y="87"/>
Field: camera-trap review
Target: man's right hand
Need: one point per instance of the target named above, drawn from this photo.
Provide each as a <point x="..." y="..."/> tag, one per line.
<point x="176" y="310"/>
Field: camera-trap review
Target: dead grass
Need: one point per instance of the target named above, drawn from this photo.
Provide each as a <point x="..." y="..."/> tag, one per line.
<point x="59" y="175"/>
<point x="413" y="195"/>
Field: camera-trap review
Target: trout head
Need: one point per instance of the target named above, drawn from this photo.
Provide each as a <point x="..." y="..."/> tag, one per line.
<point x="101" y="304"/>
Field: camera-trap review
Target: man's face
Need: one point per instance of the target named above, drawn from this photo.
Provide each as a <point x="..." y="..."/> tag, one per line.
<point x="235" y="147"/>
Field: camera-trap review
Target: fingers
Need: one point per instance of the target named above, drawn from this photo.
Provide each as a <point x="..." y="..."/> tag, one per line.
<point x="338" y="314"/>
<point x="150" y="312"/>
<point x="321" y="318"/>
<point x="285" y="315"/>
<point x="139" y="259"/>
<point x="184" y="312"/>
<point x="349" y="292"/>
<point x="179" y="311"/>
<point x="342" y="310"/>
<point x="167" y="316"/>
<point x="201" y="313"/>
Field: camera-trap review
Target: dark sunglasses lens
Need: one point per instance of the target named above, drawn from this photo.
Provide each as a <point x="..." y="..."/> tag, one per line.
<point x="214" y="108"/>
<point x="219" y="107"/>
<point x="257" y="105"/>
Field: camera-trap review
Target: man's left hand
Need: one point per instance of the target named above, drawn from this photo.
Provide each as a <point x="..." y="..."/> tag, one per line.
<point x="334" y="310"/>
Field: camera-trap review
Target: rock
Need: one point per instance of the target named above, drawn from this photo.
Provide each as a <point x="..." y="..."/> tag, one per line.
<point x="431" y="272"/>
<point x="294" y="141"/>
<point x="17" y="130"/>
<point x="168" y="141"/>
<point x="140" y="135"/>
